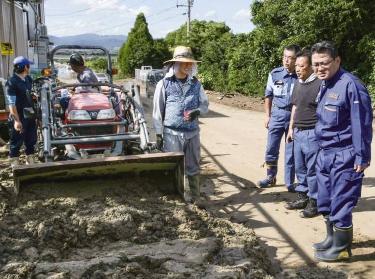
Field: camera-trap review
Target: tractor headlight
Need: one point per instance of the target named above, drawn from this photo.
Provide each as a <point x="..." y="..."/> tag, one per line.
<point x="79" y="114"/>
<point x="106" y="114"/>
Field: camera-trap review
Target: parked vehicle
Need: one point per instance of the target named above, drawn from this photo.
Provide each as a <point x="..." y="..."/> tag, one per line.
<point x="102" y="77"/>
<point x="146" y="79"/>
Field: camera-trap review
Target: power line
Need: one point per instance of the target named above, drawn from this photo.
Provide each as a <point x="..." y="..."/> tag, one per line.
<point x="164" y="19"/>
<point x="71" y="13"/>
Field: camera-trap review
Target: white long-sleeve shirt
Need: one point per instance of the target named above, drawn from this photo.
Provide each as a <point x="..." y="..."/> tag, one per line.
<point x="159" y="106"/>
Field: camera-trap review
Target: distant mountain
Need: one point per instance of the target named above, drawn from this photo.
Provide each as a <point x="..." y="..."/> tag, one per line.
<point x="111" y="42"/>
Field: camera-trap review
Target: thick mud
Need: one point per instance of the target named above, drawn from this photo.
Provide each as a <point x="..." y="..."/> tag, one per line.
<point x="118" y="229"/>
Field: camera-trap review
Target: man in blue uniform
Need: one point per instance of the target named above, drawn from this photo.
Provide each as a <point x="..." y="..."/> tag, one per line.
<point x="278" y="109"/>
<point x="344" y="133"/>
<point x="22" y="123"/>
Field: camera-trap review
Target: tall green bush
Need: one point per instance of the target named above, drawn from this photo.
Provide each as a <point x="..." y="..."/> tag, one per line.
<point x="210" y="42"/>
<point x="138" y="49"/>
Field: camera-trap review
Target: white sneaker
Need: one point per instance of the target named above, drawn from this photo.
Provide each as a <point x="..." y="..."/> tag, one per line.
<point x="14" y="161"/>
<point x="29" y="159"/>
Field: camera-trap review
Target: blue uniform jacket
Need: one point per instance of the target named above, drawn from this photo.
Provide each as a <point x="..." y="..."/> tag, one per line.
<point x="280" y="85"/>
<point x="345" y="116"/>
<point x="16" y="91"/>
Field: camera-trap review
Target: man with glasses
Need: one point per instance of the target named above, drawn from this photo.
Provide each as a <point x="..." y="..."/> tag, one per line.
<point x="344" y="133"/>
<point x="278" y="109"/>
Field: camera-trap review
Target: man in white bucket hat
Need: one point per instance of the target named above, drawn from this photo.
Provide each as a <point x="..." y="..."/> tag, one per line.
<point x="178" y="101"/>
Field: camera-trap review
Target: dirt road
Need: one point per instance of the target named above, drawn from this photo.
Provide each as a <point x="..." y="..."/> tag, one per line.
<point x="233" y="145"/>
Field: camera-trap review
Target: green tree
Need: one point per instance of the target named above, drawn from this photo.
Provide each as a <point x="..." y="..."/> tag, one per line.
<point x="251" y="59"/>
<point x="138" y="49"/>
<point x="241" y="62"/>
<point x="201" y="32"/>
<point x="97" y="64"/>
<point x="160" y="53"/>
<point x="210" y="42"/>
<point x="346" y="22"/>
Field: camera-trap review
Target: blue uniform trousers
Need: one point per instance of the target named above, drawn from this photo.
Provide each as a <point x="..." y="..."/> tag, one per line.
<point x="277" y="128"/>
<point x="339" y="186"/>
<point x="305" y="152"/>
<point x="27" y="137"/>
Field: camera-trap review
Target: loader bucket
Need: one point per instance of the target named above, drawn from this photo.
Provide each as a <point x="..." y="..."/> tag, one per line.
<point x="165" y="169"/>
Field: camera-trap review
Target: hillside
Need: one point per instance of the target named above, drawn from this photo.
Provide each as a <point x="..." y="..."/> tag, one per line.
<point x="107" y="41"/>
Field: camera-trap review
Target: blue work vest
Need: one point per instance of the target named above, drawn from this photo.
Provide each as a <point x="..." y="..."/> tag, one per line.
<point x="176" y="102"/>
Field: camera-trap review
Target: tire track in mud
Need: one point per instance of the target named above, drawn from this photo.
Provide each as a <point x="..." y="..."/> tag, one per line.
<point x="118" y="229"/>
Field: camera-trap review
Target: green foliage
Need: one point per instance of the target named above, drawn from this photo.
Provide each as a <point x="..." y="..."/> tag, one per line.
<point x="210" y="42"/>
<point x="349" y="23"/>
<point x="366" y="48"/>
<point x="252" y="59"/>
<point x="138" y="49"/>
<point x="97" y="64"/>
<point x="160" y="53"/>
<point x="201" y="32"/>
<point x="242" y="62"/>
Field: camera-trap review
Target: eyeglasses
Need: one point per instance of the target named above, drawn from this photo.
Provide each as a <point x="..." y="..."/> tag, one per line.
<point x="322" y="64"/>
<point x="289" y="57"/>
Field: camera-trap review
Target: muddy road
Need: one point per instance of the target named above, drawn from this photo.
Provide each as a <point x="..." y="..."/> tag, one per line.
<point x="118" y="228"/>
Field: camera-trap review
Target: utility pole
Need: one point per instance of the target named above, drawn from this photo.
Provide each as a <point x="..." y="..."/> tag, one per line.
<point x="189" y="5"/>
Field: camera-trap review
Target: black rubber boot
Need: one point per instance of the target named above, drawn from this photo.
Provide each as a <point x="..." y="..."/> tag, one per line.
<point x="196" y="198"/>
<point x="327" y="242"/>
<point x="311" y="209"/>
<point x="299" y="203"/>
<point x="341" y="246"/>
<point x="194" y="185"/>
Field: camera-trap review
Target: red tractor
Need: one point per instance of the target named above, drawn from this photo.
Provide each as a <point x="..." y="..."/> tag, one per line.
<point x="100" y="119"/>
<point x="101" y="131"/>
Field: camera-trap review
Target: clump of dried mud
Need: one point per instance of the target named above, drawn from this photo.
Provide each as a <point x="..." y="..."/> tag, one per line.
<point x="118" y="229"/>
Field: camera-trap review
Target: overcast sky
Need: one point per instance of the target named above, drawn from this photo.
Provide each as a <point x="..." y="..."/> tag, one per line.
<point x="116" y="17"/>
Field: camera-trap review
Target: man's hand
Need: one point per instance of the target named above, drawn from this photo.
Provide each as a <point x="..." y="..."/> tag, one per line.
<point x="267" y="121"/>
<point x="191" y="115"/>
<point x="159" y="141"/>
<point x="18" y="126"/>
<point x="360" y="168"/>
<point x="290" y="136"/>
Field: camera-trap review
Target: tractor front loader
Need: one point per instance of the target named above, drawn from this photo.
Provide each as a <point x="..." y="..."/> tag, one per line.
<point x="100" y="133"/>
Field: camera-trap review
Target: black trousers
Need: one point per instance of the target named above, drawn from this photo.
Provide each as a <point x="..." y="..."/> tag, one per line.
<point x="27" y="137"/>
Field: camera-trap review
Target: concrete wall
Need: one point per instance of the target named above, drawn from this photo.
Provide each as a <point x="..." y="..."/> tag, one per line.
<point x="14" y="29"/>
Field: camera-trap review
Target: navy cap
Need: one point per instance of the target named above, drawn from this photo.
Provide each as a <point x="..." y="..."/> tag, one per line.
<point x="22" y="61"/>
